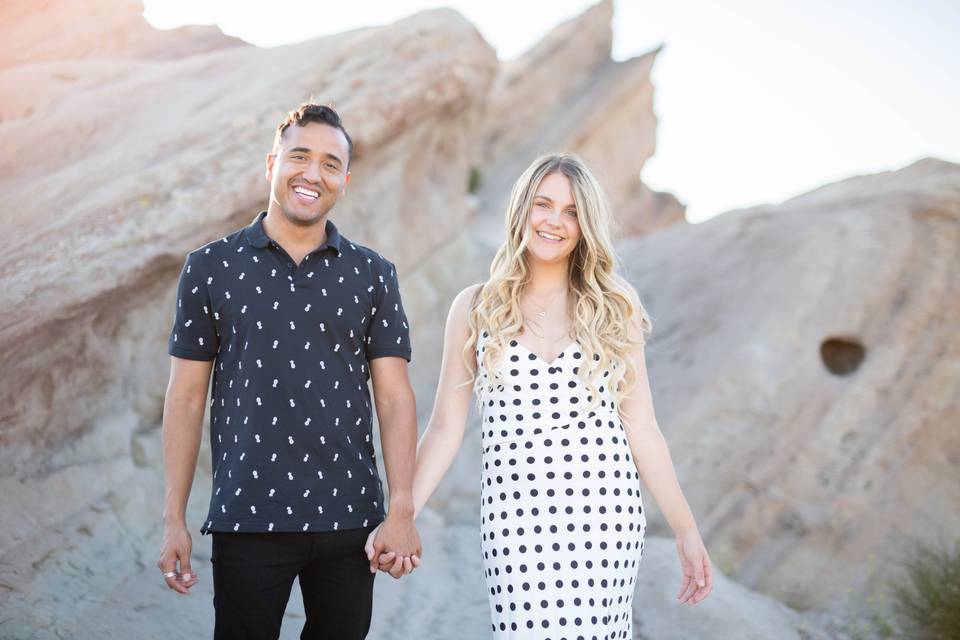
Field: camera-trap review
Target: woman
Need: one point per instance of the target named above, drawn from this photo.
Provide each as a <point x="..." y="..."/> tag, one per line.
<point x="552" y="344"/>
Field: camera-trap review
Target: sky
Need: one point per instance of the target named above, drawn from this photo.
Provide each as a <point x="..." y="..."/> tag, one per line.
<point x="757" y="100"/>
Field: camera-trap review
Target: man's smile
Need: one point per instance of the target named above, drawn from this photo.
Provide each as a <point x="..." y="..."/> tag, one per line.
<point x="305" y="195"/>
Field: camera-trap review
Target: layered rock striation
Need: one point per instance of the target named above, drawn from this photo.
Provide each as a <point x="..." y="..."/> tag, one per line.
<point x="804" y="359"/>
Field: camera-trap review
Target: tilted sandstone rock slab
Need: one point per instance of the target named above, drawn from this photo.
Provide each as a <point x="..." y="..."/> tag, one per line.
<point x="567" y="94"/>
<point x="57" y="30"/>
<point x="111" y="188"/>
<point x="108" y="187"/>
<point x="811" y="485"/>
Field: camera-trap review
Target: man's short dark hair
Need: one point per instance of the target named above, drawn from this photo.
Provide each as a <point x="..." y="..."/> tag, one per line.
<point x="307" y="113"/>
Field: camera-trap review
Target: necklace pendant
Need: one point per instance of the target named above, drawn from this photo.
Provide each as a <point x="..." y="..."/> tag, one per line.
<point x="541" y="313"/>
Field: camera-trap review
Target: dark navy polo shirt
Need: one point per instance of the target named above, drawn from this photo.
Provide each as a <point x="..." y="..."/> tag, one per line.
<point x="291" y="417"/>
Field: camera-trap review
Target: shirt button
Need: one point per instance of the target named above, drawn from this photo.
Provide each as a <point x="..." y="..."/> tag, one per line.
<point x="289" y="264"/>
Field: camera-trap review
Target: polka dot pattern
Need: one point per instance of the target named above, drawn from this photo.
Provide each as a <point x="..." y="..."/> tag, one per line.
<point x="562" y="519"/>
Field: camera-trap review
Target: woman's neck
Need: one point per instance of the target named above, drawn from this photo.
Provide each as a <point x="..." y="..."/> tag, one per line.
<point x="547" y="278"/>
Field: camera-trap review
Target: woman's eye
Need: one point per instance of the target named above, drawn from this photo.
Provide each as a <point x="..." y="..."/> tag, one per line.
<point x="542" y="205"/>
<point x="570" y="212"/>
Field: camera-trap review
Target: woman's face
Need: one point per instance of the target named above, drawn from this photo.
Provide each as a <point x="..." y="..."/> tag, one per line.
<point x="552" y="227"/>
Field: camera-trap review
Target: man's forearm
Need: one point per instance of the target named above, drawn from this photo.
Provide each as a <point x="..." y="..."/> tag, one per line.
<point x="398" y="438"/>
<point x="182" y="430"/>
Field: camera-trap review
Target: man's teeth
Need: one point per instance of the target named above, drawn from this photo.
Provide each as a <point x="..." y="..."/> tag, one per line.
<point x="306" y="192"/>
<point x="548" y="236"/>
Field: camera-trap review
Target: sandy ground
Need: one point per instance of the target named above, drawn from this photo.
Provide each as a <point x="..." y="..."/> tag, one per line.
<point x="444" y="599"/>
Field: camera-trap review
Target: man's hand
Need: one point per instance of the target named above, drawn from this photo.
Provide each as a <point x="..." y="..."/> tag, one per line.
<point x="174" y="561"/>
<point x="183" y="410"/>
<point x="394" y="546"/>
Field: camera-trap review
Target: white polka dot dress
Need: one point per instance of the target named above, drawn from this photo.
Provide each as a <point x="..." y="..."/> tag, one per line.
<point x="562" y="519"/>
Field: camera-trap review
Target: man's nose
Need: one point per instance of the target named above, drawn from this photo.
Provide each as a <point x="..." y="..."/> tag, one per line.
<point x="312" y="172"/>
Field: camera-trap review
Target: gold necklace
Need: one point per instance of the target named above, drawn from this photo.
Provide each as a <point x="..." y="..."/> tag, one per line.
<point x="543" y="310"/>
<point x="539" y="332"/>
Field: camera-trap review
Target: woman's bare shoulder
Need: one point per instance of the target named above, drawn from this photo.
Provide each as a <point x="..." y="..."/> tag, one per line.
<point x="464" y="302"/>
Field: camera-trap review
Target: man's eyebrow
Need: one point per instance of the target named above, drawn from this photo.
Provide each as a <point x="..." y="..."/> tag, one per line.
<point x="299" y="150"/>
<point x="333" y="157"/>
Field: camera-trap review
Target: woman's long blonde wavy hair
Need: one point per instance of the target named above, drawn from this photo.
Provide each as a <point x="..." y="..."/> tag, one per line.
<point x="603" y="303"/>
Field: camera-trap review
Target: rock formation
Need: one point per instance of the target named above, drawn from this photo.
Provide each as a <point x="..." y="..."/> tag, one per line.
<point x="111" y="186"/>
<point x="803" y="364"/>
<point x="40" y="31"/>
<point x="567" y="94"/>
<point x="111" y="178"/>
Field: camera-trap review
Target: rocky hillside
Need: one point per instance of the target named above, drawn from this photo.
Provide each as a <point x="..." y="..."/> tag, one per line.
<point x="803" y="364"/>
<point x="806" y="370"/>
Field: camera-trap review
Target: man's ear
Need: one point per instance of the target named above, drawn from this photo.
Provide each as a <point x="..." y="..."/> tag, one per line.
<point x="271" y="158"/>
<point x="346" y="181"/>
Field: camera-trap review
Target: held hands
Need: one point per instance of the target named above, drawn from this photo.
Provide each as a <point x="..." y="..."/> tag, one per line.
<point x="174" y="561"/>
<point x="394" y="546"/>
<point x="695" y="563"/>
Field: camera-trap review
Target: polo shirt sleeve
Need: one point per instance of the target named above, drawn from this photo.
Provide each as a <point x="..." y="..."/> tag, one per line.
<point x="194" y="334"/>
<point x="388" y="333"/>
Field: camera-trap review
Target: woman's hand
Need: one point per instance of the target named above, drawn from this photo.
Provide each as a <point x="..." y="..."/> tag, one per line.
<point x="389" y="561"/>
<point x="695" y="564"/>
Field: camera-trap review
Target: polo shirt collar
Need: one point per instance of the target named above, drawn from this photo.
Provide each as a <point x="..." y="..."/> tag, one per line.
<point x="255" y="233"/>
<point x="333" y="237"/>
<point x="257" y="237"/>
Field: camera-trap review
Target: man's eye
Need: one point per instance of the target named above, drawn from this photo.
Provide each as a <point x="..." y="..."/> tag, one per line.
<point x="299" y="157"/>
<point x="330" y="165"/>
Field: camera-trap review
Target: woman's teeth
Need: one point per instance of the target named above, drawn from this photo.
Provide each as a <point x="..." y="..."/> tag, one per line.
<point x="549" y="236"/>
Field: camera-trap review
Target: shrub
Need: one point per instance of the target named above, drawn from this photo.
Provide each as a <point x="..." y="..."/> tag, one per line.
<point x="473" y="182"/>
<point x="928" y="603"/>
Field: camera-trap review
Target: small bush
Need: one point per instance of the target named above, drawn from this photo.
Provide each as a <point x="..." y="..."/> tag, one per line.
<point x="928" y="604"/>
<point x="473" y="182"/>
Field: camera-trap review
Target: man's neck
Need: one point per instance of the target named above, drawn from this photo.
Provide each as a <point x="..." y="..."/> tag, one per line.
<point x="293" y="236"/>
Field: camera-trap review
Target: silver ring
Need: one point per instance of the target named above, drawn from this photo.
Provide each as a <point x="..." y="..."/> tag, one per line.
<point x="170" y="574"/>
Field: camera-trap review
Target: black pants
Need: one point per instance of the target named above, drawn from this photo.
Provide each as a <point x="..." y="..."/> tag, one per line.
<point x="253" y="574"/>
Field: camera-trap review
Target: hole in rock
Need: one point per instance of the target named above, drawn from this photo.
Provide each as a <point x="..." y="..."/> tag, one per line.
<point x="842" y="356"/>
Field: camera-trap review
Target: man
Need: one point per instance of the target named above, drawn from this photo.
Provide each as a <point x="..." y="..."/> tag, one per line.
<point x="293" y="319"/>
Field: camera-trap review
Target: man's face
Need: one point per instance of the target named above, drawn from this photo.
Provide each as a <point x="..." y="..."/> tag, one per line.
<point x="308" y="172"/>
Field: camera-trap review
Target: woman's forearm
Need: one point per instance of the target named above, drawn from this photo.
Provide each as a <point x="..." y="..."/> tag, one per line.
<point x="652" y="458"/>
<point x="438" y="447"/>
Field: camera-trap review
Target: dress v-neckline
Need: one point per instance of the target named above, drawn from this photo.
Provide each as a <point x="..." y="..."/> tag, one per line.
<point x="549" y="363"/>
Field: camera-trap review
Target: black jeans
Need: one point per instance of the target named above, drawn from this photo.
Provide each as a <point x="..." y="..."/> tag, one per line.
<point x="253" y="574"/>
